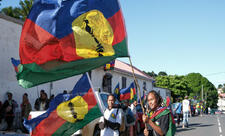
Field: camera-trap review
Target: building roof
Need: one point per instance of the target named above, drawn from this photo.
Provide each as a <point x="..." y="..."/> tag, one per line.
<point x="124" y="67"/>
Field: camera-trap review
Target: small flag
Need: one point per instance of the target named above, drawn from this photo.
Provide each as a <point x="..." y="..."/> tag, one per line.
<point x="117" y="91"/>
<point x="109" y="66"/>
<point x="128" y="93"/>
<point x="66" y="115"/>
<point x="16" y="64"/>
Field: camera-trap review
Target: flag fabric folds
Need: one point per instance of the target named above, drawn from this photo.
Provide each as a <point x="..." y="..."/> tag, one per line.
<point x="128" y="93"/>
<point x="117" y="91"/>
<point x="109" y="66"/>
<point x="62" y="38"/>
<point x="16" y="64"/>
<point x="67" y="113"/>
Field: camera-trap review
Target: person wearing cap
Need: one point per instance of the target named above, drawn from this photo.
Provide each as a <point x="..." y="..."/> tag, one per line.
<point x="186" y="109"/>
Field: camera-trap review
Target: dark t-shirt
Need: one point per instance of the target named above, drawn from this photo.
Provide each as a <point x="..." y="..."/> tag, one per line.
<point x="162" y="122"/>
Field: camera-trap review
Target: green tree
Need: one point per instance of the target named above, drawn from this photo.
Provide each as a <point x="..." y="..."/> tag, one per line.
<point x="162" y="73"/>
<point x="152" y="74"/>
<point x="220" y="86"/>
<point x="20" y="12"/>
<point x="196" y="81"/>
<point x="177" y="84"/>
<point x="10" y="11"/>
<point x="25" y="7"/>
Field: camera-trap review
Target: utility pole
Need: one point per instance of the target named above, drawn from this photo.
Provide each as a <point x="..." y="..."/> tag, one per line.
<point x="202" y="92"/>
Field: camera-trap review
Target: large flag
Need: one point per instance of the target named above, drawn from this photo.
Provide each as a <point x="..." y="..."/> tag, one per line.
<point x="128" y="93"/>
<point x="62" y="38"/>
<point x="16" y="64"/>
<point x="67" y="114"/>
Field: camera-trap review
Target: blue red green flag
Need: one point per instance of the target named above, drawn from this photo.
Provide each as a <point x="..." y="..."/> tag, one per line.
<point x="16" y="64"/>
<point x="63" y="38"/>
<point x="117" y="91"/>
<point x="128" y="93"/>
<point x="109" y="66"/>
<point x="67" y="114"/>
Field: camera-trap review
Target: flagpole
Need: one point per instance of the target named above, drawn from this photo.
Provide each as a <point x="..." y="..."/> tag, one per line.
<point x="96" y="95"/>
<point x="139" y="91"/>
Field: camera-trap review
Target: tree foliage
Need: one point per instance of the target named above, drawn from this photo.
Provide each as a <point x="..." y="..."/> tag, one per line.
<point x="176" y="84"/>
<point x="162" y="73"/>
<point x="20" y="12"/>
<point x="190" y="85"/>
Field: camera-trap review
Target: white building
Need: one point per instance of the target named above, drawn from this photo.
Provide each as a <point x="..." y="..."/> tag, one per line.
<point x="163" y="92"/>
<point x="10" y="31"/>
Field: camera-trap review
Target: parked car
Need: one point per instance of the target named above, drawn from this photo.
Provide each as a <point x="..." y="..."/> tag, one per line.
<point x="218" y="112"/>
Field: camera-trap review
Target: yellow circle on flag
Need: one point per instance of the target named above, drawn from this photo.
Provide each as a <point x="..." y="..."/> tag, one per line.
<point x="93" y="35"/>
<point x="73" y="110"/>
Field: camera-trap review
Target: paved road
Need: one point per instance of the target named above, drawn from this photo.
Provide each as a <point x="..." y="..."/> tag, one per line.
<point x="207" y="125"/>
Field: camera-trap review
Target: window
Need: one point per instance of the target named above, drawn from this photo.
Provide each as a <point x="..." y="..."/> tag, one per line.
<point x="107" y="83"/>
<point x="144" y="86"/>
<point x="124" y="82"/>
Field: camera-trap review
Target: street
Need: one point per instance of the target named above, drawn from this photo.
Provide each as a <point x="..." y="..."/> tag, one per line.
<point x="207" y="125"/>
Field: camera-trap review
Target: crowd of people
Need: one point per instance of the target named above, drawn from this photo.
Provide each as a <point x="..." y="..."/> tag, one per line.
<point x="158" y="118"/>
<point x="12" y="115"/>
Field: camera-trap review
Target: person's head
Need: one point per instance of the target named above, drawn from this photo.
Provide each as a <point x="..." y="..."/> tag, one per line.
<point x="186" y="97"/>
<point x="25" y="96"/>
<point x="9" y="94"/>
<point x="110" y="101"/>
<point x="44" y="96"/>
<point x="42" y="92"/>
<point x="154" y="100"/>
<point x="65" y="92"/>
<point x="135" y="103"/>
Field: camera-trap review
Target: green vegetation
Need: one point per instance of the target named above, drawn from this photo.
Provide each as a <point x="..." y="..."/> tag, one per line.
<point x="190" y="85"/>
<point x="20" y="12"/>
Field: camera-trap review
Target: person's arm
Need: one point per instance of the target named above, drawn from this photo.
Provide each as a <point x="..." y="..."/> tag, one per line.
<point x="162" y="127"/>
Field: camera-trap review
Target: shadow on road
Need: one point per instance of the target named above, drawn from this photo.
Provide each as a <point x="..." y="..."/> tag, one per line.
<point x="192" y="126"/>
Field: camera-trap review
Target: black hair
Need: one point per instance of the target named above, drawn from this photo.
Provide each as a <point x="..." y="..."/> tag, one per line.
<point x="111" y="95"/>
<point x="157" y="96"/>
<point x="25" y="94"/>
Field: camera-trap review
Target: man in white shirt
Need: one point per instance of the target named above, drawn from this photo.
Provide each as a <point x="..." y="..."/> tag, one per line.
<point x="186" y="109"/>
<point x="110" y="123"/>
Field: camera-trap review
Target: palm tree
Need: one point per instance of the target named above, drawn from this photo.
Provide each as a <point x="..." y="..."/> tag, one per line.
<point x="25" y="7"/>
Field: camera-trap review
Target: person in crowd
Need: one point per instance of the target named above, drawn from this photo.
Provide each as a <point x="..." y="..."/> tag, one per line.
<point x="134" y="111"/>
<point x="51" y="97"/>
<point x="159" y="121"/>
<point x="42" y="103"/>
<point x="65" y="92"/>
<point x="25" y="110"/>
<point x="178" y="110"/>
<point x="9" y="110"/>
<point x="186" y="109"/>
<point x="37" y="101"/>
<point x="110" y="123"/>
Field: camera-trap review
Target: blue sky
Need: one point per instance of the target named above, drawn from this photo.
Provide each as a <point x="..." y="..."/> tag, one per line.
<point x="175" y="36"/>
